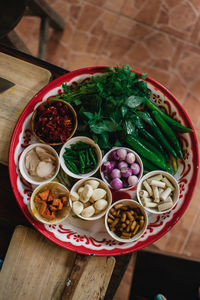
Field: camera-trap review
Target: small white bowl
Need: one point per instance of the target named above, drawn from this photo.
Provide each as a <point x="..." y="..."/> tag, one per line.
<point x="75" y="140"/>
<point x="171" y="179"/>
<point x="59" y="189"/>
<point x="80" y="183"/>
<point x="24" y="171"/>
<point x="137" y="160"/>
<point x="132" y="204"/>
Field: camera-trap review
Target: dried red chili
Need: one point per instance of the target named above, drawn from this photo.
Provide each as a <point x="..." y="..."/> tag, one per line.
<point x="54" y="122"/>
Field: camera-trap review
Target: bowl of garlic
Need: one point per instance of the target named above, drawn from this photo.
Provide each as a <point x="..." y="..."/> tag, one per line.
<point x="39" y="163"/>
<point x="90" y="198"/>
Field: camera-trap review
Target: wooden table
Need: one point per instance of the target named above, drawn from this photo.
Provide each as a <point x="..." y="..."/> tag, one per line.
<point x="10" y="213"/>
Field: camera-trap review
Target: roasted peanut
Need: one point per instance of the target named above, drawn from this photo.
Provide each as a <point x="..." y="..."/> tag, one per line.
<point x="133" y="225"/>
<point x="129" y="216"/>
<point x="136" y="229"/>
<point x="124" y="208"/>
<point x="128" y="228"/>
<point x="126" y="234"/>
<point x="115" y="222"/>
<point x="118" y="206"/>
<point x="123" y="218"/>
<point x="118" y="213"/>
<point x="141" y="223"/>
<point x="111" y="216"/>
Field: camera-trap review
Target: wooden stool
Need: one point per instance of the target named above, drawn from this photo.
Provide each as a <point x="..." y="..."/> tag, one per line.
<point x="35" y="268"/>
<point x="37" y="8"/>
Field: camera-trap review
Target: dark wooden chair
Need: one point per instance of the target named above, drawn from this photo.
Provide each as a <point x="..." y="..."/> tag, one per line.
<point x="11" y="12"/>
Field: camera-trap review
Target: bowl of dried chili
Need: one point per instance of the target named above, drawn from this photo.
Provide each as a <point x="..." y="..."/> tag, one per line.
<point x="54" y="122"/>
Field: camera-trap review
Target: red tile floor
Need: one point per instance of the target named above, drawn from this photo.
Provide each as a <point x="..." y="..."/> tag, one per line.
<point x="160" y="37"/>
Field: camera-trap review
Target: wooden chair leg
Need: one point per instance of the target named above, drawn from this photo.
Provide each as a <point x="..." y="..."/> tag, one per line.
<point x="42" y="9"/>
<point x="43" y="40"/>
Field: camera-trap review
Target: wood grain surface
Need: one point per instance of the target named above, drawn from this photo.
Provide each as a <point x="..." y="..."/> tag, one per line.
<point x="35" y="269"/>
<point x="28" y="80"/>
<point x="89" y="278"/>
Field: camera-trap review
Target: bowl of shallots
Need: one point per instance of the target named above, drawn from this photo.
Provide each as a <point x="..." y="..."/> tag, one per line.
<point x="121" y="168"/>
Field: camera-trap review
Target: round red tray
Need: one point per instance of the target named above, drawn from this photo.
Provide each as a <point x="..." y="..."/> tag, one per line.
<point x="91" y="237"/>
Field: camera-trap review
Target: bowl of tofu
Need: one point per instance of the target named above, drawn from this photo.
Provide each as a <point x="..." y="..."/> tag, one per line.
<point x="158" y="192"/>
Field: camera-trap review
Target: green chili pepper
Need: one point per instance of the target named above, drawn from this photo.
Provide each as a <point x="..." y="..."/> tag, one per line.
<point x="147" y="118"/>
<point x="150" y="138"/>
<point x="146" y="153"/>
<point x="174" y="124"/>
<point x="148" y="166"/>
<point x="92" y="157"/>
<point x="174" y="163"/>
<point x="169" y="133"/>
<point x="152" y="148"/>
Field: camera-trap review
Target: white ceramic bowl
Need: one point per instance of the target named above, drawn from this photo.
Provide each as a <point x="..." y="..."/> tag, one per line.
<point x="171" y="179"/>
<point x="132" y="204"/>
<point x="75" y="140"/>
<point x="24" y="171"/>
<point x="80" y="183"/>
<point x="60" y="189"/>
<point x="137" y="160"/>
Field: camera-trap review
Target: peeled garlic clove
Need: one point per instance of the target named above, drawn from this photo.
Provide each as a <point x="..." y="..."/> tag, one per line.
<point x="45" y="169"/>
<point x="87" y="192"/>
<point x="74" y="196"/>
<point x="80" y="190"/>
<point x="98" y="194"/>
<point x="94" y="183"/>
<point x="88" y="211"/>
<point x="100" y="204"/>
<point x="77" y="207"/>
<point x="82" y="199"/>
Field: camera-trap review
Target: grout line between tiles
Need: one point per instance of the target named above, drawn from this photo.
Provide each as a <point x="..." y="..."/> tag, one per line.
<point x="189" y="233"/>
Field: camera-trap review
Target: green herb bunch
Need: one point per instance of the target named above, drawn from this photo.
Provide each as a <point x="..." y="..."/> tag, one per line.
<point x="105" y="104"/>
<point x="115" y="109"/>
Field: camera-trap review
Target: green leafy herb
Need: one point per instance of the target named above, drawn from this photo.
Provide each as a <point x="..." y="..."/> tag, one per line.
<point x="105" y="103"/>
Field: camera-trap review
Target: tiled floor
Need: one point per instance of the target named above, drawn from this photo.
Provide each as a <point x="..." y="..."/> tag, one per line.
<point x="160" y="37"/>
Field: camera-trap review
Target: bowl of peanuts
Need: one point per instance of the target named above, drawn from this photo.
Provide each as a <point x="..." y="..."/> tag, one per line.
<point x="158" y="192"/>
<point x="126" y="220"/>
